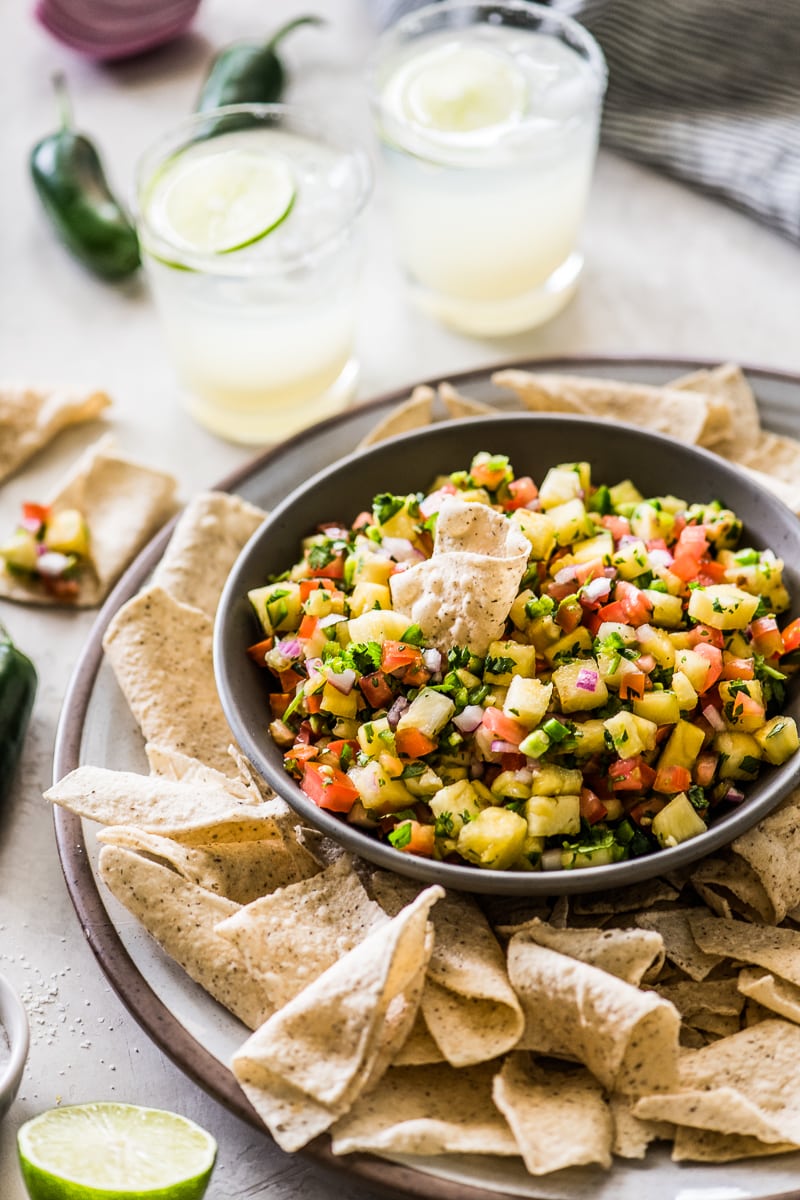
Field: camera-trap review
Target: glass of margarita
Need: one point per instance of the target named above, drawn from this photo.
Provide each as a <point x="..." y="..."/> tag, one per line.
<point x="488" y="118"/>
<point x="249" y="221"/>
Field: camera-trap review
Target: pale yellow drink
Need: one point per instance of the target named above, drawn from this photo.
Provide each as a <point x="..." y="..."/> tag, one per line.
<point x="261" y="333"/>
<point x="489" y="133"/>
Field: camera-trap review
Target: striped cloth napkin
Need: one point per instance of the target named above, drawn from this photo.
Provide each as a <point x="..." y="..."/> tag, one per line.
<point x="705" y="90"/>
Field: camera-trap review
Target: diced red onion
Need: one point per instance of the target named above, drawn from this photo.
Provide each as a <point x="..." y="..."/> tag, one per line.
<point x="433" y="660"/>
<point x="713" y="717"/>
<point x="551" y="860"/>
<point x="587" y="679"/>
<point x="402" y="550"/>
<point x="396" y="711"/>
<point x="534" y="505"/>
<point x="476" y="770"/>
<point x="335" y="532"/>
<point x="644" y="633"/>
<point x="291" y="648"/>
<point x="734" y="796"/>
<point x="52" y="563"/>
<point x="610" y="572"/>
<point x="660" y="558"/>
<point x="469" y="718"/>
<point x="596" y="589"/>
<point x="314" y="664"/>
<point x="565" y="575"/>
<point x="628" y="539"/>
<point x="343" y="681"/>
<point x="646" y="663"/>
<point x="30" y="524"/>
<point x="500" y="747"/>
<point x="331" y="619"/>
<point x="431" y="504"/>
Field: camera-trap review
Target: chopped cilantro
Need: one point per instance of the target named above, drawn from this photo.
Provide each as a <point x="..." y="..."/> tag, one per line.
<point x="385" y="506"/>
<point x="321" y="554"/>
<point x="413" y="636"/>
<point x="499" y="665"/>
<point x="400" y="836"/>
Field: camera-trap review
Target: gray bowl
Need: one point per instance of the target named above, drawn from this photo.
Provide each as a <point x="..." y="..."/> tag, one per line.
<point x="14" y="1026"/>
<point x="410" y="462"/>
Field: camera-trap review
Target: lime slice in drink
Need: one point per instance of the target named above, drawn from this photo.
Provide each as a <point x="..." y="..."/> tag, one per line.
<point x="109" y="1151"/>
<point x="221" y="201"/>
<point x="463" y="88"/>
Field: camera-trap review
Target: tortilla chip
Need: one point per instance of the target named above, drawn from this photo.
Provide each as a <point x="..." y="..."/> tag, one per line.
<point x="777" y="950"/>
<point x="787" y="492"/>
<point x="630" y="954"/>
<point x="628" y="899"/>
<point x="123" y="504"/>
<point x="427" y="1110"/>
<point x="704" y="1145"/>
<point x="160" y="651"/>
<point x="771" y="849"/>
<point x="679" y="945"/>
<point x="208" y="538"/>
<point x="181" y="917"/>
<point x="463" y="596"/>
<point x="469" y="1006"/>
<point x="31" y="417"/>
<point x="414" y="413"/>
<point x="309" y="1063"/>
<point x="728" y="886"/>
<point x="632" y="1135"/>
<point x="720" y="997"/>
<point x="240" y="871"/>
<point x="776" y="455"/>
<point x="462" y="406"/>
<point x="288" y="938"/>
<point x="771" y="992"/>
<point x="698" y="419"/>
<point x="419" y="1049"/>
<point x="626" y="1037"/>
<point x="728" y="383"/>
<point x="558" y="1116"/>
<point x="746" y="1084"/>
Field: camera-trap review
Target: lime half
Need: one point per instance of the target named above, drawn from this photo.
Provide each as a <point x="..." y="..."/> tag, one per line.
<point x="109" y="1151"/>
<point x="222" y="201"/>
<point x="460" y="89"/>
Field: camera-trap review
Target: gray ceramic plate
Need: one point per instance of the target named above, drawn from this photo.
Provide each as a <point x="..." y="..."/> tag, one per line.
<point x="409" y="463"/>
<point x="196" y="1033"/>
<point x="14" y="1030"/>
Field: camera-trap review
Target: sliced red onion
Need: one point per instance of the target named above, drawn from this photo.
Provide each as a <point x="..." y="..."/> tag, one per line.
<point x="499" y="747"/>
<point x="431" y="504"/>
<point x="108" y="31"/>
<point x="331" y="619"/>
<point x="734" y="796"/>
<point x="596" y="589"/>
<point x="587" y="680"/>
<point x="402" y="550"/>
<point x="433" y="660"/>
<point x="714" y="718"/>
<point x="53" y="564"/>
<point x="469" y="718"/>
<point x="291" y="648"/>
<point x="565" y="575"/>
<point x="314" y="664"/>
<point x="534" y="505"/>
<point x="343" y="681"/>
<point x="396" y="711"/>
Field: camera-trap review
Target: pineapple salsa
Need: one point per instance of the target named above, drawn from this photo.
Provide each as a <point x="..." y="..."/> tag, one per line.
<point x="631" y="689"/>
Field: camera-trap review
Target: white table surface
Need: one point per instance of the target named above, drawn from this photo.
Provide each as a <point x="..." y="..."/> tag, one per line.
<point x="669" y="272"/>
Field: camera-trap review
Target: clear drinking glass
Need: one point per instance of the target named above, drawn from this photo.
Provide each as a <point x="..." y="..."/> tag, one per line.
<point x="259" y="321"/>
<point x="488" y="118"/>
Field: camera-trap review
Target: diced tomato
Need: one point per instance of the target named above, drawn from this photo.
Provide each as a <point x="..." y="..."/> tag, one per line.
<point x="329" y="787"/>
<point x="656" y="544"/>
<point x="413" y="743"/>
<point x="39" y="513"/>
<point x="746" y="706"/>
<point x="643" y="812"/>
<point x="619" y="527"/>
<point x="705" y="633"/>
<point x="592" y="808"/>
<point x="486" y="476"/>
<point x="362" y="520"/>
<point x="589" y="570"/>
<point x="307" y="586"/>
<point x="705" y="769"/>
<point x="421" y="841"/>
<point x="279" y="702"/>
<point x="504" y="728"/>
<point x="710" y="572"/>
<point x="397" y="656"/>
<point x="766" y="636"/>
<point x="632" y="684"/>
<point x="289" y="680"/>
<point x="635" y="605"/>
<point x="713" y="657"/>
<point x="569" y="615"/>
<point x="672" y="779"/>
<point x="332" y="570"/>
<point x="415" y="675"/>
<point x="612" y="612"/>
<point x="259" y="650"/>
<point x="308" y="627"/>
<point x="688" y="552"/>
<point x="375" y="689"/>
<point x="337" y="747"/>
<point x="737" y="668"/>
<point x="301" y="753"/>
<point x="791" y="637"/>
<point x="521" y="492"/>
<point x="560" y="591"/>
<point x="313" y="702"/>
<point x="631" y="775"/>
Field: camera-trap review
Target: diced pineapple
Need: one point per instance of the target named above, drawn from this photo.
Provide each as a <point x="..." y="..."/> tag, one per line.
<point x="494" y="839"/>
<point x="401" y="524"/>
<point x="656" y="642"/>
<point x="544" y="633"/>
<point x="322" y="602"/>
<point x="375" y="737"/>
<point x="683" y="746"/>
<point x="735" y="709"/>
<point x="428" y="712"/>
<point x="625" y="494"/>
<point x="722" y="606"/>
<point x="371" y="568"/>
<point x="538" y="529"/>
<point x="509" y="785"/>
<point x="530" y="854"/>
<point x="336" y="702"/>
<point x="277" y="606"/>
<point x="20" y="551"/>
<point x="630" y="560"/>
<point x="560" y="485"/>
<point x="579" y="686"/>
<point x="740" y="755"/>
<point x="527" y="700"/>
<point x="651" y="520"/>
<point x="590" y="738"/>
<point x="778" y="739"/>
<point x="592" y="856"/>
<point x="521" y="660"/>
<point x="67" y="532"/>
<point x="631" y="735"/>
<point x="599" y="546"/>
<point x="580" y="640"/>
<point x="626" y="632"/>
<point x="548" y="816"/>
<point x="379" y="792"/>
<point x="667" y="610"/>
<point x="677" y="822"/>
<point x="426" y="784"/>
<point x="551" y="780"/>
<point x="378" y="625"/>
<point x="661" y="707"/>
<point x="571" y="522"/>
<point x="693" y="666"/>
<point x="613" y="668"/>
<point x="737" y="646"/>
<point x="366" y="596"/>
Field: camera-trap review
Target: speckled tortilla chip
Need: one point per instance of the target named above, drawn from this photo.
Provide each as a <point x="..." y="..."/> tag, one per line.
<point x="414" y="413"/>
<point x="32" y="417"/>
<point x="629" y="954"/>
<point x="160" y="651"/>
<point x="705" y="1145"/>
<point x="720" y="997"/>
<point x="775" y="455"/>
<point x="777" y="950"/>
<point x="463" y="596"/>
<point x="787" y="492"/>
<point x="309" y="1063"/>
<point x="458" y="405"/>
<point x="208" y="538"/>
<point x="771" y="992"/>
<point x="290" y="937"/>
<point x="123" y="503"/>
<point x="728" y="885"/>
<point x="468" y="1004"/>
<point x="634" y="898"/>
<point x="181" y="917"/>
<point x="632" y="1135"/>
<point x="558" y="1116"/>
<point x="427" y="1110"/>
<point x="419" y="1049"/>
<point x="729" y="385"/>
<point x="626" y="1037"/>
<point x="772" y="850"/>
<point x="746" y="1084"/>
<point x="679" y="945"/>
